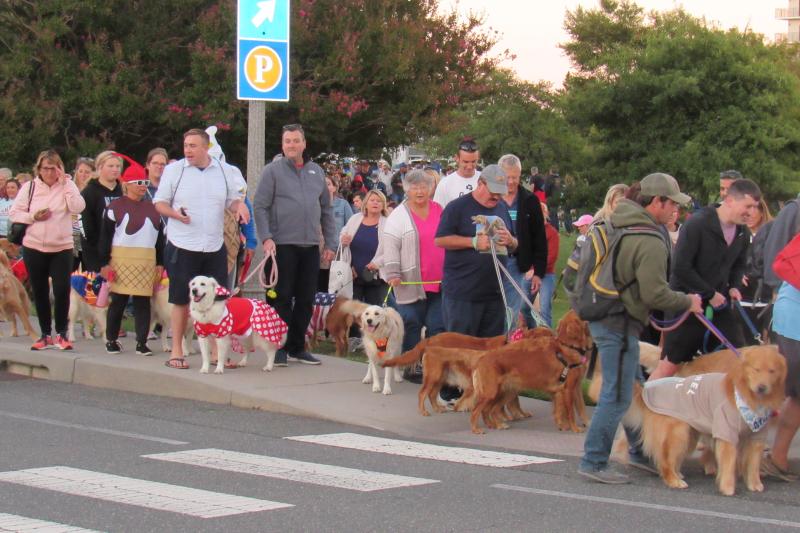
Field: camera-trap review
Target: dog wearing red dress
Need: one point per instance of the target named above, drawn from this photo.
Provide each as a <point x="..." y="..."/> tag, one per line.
<point x="236" y="323"/>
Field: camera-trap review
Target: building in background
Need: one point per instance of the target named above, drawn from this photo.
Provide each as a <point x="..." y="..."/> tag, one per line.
<point x="791" y="14"/>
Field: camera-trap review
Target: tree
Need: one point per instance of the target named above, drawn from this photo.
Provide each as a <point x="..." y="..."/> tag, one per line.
<point x="666" y="92"/>
<point x="86" y="75"/>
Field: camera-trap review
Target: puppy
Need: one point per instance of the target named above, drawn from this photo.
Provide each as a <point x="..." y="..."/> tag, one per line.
<point x="233" y="321"/>
<point x="82" y="308"/>
<point x="733" y="408"/>
<point x="382" y="332"/>
<point x="14" y="300"/>
<point x="161" y="313"/>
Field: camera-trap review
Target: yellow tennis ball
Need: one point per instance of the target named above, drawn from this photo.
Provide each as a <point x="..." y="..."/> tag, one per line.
<point x="272" y="294"/>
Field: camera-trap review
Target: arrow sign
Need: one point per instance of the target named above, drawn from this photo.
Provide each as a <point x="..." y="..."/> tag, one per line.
<point x="266" y="12"/>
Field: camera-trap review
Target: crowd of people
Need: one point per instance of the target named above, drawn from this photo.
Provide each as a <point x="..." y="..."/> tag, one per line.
<point x="466" y="252"/>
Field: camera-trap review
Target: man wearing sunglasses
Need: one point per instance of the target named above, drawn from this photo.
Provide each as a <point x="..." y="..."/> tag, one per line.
<point x="292" y="207"/>
<point x="465" y="179"/>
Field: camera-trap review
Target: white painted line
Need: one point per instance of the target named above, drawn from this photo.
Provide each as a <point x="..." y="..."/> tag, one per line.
<point x="274" y="467"/>
<point x="424" y="451"/>
<point x="653" y="506"/>
<point x="23" y="524"/>
<point x="139" y="492"/>
<point x="91" y="428"/>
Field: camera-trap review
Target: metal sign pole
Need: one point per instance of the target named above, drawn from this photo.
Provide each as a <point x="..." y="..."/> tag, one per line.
<point x="256" y="157"/>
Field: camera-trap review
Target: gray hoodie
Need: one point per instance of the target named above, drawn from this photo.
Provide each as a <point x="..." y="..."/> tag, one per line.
<point x="291" y="204"/>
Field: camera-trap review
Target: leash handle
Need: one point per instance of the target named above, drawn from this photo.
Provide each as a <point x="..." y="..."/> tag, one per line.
<point x="262" y="278"/>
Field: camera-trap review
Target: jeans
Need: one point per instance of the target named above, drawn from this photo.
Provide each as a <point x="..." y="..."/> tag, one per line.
<point x="427" y="312"/>
<point x="513" y="298"/>
<point x="479" y="319"/>
<point x="545" y="301"/>
<point x="610" y="407"/>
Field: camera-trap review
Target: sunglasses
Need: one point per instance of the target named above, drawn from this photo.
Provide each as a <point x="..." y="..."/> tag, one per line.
<point x="468" y="146"/>
<point x="140" y="182"/>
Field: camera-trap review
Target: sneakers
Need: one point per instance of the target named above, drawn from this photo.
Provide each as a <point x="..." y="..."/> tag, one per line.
<point x="62" y="343"/>
<point x="280" y="358"/>
<point x="113" y="347"/>
<point x="642" y="463"/>
<point x="770" y="469"/>
<point x="42" y="344"/>
<point x="305" y="358"/>
<point x="608" y="476"/>
<point x="142" y="349"/>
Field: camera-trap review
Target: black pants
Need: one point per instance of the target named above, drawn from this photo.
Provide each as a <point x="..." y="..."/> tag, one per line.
<point x="369" y="293"/>
<point x="298" y="268"/>
<point x="42" y="267"/>
<point x="141" y="316"/>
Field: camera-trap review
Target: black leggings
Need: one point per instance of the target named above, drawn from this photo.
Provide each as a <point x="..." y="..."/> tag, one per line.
<point x="42" y="267"/>
<point x="141" y="316"/>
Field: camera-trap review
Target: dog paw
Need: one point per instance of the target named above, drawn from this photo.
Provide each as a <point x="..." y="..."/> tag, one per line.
<point x="376" y="388"/>
<point x="710" y="470"/>
<point x="219" y="370"/>
<point x="726" y="490"/>
<point x="366" y="380"/>
<point x="478" y="431"/>
<point x="677" y="483"/>
<point x="204" y="370"/>
<point x="398" y="379"/>
<point x="387" y="392"/>
<point x="267" y="368"/>
<point x="755" y="487"/>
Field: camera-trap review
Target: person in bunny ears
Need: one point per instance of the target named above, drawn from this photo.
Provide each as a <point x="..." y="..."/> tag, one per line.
<point x="130" y="251"/>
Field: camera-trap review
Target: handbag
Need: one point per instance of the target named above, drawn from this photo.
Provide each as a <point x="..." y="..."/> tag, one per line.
<point x="787" y="263"/>
<point x="341" y="276"/>
<point x="17" y="230"/>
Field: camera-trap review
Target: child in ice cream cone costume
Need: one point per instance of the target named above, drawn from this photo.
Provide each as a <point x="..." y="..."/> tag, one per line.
<point x="131" y="246"/>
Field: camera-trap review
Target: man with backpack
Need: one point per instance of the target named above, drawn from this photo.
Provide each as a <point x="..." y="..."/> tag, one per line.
<point x="637" y="259"/>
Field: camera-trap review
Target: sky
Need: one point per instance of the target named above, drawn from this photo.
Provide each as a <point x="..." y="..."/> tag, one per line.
<point x="533" y="29"/>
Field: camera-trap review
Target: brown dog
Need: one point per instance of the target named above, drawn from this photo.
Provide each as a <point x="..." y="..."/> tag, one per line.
<point x="14" y="300"/>
<point x="526" y="364"/>
<point x="573" y="334"/>
<point x="338" y="324"/>
<point x="756" y="381"/>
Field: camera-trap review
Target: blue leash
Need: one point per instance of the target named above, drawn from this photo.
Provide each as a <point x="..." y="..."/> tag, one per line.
<point x="746" y="318"/>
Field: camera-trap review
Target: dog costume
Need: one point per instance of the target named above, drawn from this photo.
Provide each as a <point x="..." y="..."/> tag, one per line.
<point x="701" y="402"/>
<point x="242" y="317"/>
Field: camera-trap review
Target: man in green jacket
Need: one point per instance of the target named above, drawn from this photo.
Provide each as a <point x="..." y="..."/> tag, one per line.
<point x="642" y="262"/>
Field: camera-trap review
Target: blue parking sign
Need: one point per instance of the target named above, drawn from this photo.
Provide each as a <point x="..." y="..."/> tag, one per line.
<point x="262" y="50"/>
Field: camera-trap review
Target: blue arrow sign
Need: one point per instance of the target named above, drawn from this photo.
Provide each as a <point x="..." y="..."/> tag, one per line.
<point x="263" y="50"/>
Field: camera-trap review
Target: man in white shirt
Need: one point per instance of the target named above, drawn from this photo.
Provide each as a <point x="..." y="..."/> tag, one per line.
<point x="194" y="193"/>
<point x="465" y="179"/>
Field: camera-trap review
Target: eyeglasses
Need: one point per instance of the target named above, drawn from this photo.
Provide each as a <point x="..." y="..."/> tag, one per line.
<point x="140" y="182"/>
<point x="468" y="146"/>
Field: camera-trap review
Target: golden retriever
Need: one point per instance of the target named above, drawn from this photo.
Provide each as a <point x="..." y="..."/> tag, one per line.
<point x="14" y="300"/>
<point x="573" y="335"/>
<point x="756" y="381"/>
<point x="382" y="333"/>
<point x="338" y="323"/>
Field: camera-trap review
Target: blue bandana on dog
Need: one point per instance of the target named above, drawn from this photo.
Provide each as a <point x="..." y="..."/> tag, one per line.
<point x="754" y="418"/>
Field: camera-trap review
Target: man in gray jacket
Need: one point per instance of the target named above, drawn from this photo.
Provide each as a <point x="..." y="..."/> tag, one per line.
<point x="291" y="204"/>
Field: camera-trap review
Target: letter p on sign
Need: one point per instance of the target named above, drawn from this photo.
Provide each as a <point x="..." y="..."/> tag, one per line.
<point x="263" y="68"/>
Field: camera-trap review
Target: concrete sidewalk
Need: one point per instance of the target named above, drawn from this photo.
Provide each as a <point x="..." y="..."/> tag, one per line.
<point x="331" y="391"/>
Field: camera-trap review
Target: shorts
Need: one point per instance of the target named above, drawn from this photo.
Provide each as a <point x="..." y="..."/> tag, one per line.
<point x="790" y="349"/>
<point x="183" y="265"/>
<point x="692" y="337"/>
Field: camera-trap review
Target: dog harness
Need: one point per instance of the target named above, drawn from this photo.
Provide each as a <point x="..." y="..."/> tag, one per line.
<point x="381" y="344"/>
<point x="701" y="402"/>
<point x="567" y="367"/>
<point x="243" y="316"/>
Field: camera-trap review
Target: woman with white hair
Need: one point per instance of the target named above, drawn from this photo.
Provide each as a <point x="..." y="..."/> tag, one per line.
<point x="411" y="258"/>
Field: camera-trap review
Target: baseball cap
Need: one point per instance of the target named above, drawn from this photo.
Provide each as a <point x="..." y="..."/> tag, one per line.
<point x="584" y="220"/>
<point x="660" y="184"/>
<point x="495" y="179"/>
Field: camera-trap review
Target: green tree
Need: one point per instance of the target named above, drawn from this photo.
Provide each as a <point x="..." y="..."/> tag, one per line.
<point x="85" y="75"/>
<point x="666" y="92"/>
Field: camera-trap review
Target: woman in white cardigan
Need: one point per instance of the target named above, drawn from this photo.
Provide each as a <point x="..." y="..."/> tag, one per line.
<point x="409" y="255"/>
<point x="363" y="235"/>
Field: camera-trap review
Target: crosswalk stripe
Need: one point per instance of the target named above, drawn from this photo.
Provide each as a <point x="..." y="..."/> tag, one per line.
<point x="23" y="524"/>
<point x="139" y="492"/>
<point x="424" y="451"/>
<point x="275" y="467"/>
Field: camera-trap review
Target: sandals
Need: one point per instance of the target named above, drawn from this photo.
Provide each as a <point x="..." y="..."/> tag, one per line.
<point x="177" y="363"/>
<point x="229" y="365"/>
<point x="770" y="469"/>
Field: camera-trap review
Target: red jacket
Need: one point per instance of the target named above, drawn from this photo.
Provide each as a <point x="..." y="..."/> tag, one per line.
<point x="552" y="247"/>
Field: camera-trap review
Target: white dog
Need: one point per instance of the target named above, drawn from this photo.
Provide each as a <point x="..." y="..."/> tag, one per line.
<point x="84" y="311"/>
<point x="161" y="313"/>
<point x="233" y="320"/>
<point x="382" y="329"/>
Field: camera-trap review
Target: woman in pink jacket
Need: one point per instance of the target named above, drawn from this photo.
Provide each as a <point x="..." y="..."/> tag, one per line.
<point x="47" y="204"/>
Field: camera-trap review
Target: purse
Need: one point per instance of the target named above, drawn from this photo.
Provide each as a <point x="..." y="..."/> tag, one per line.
<point x="17" y="230"/>
<point x="341" y="276"/>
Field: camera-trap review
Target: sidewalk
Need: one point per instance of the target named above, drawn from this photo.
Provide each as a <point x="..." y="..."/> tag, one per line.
<point x="331" y="391"/>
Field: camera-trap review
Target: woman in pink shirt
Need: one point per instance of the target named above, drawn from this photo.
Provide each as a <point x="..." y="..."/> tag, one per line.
<point x="409" y="255"/>
<point x="47" y="204"/>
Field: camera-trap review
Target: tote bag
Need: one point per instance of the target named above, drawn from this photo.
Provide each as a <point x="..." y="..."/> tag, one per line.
<point x="341" y="277"/>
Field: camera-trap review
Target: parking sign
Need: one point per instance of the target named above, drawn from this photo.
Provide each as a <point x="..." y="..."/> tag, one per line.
<point x="262" y="50"/>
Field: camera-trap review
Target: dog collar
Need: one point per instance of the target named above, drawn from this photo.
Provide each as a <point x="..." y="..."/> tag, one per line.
<point x="567" y="367"/>
<point x="381" y="344"/>
<point x="755" y="419"/>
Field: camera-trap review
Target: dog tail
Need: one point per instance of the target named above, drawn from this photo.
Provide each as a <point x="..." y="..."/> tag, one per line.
<point x="634" y="418"/>
<point x="353" y="307"/>
<point x="410" y="357"/>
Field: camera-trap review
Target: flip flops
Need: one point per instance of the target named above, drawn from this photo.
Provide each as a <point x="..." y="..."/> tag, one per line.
<point x="178" y="363"/>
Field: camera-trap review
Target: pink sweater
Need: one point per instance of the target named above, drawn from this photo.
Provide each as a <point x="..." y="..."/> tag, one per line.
<point x="55" y="233"/>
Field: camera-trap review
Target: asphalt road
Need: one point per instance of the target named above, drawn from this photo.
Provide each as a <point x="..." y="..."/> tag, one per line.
<point x="48" y="426"/>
